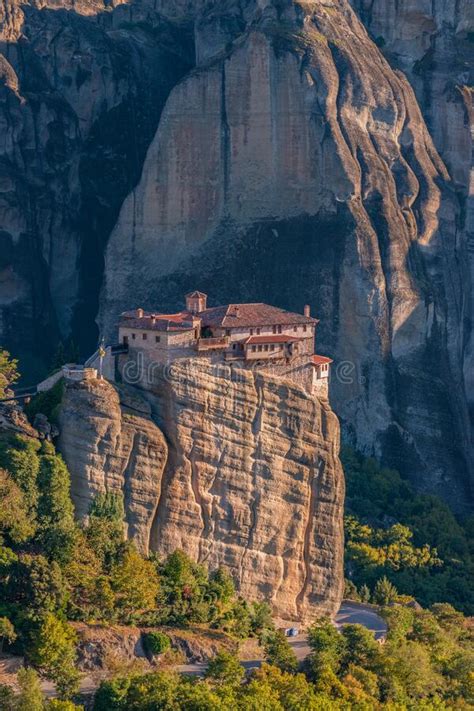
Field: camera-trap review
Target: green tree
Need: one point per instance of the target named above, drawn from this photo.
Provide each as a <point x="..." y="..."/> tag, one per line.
<point x="157" y="642"/>
<point x="261" y="617"/>
<point x="384" y="592"/>
<point x="225" y="670"/>
<point x="7" y="632"/>
<point x="134" y="581"/>
<point x="360" y="647"/>
<point x="7" y="698"/>
<point x="108" y="505"/>
<point x="30" y="697"/>
<point x="151" y="692"/>
<point x="199" y="696"/>
<point x="105" y="531"/>
<point x="184" y="586"/>
<point x="62" y="705"/>
<point x="59" y="358"/>
<point x="19" y="456"/>
<point x="55" y="512"/>
<point x="53" y="651"/>
<point x="326" y="644"/>
<point x="279" y="653"/>
<point x="14" y="519"/>
<point x="36" y="584"/>
<point x="8" y="372"/>
<point x="111" y="695"/>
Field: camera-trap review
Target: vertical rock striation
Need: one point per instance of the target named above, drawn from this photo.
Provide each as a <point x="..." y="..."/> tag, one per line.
<point x="252" y="479"/>
<point x="294" y="166"/>
<point x="432" y="42"/>
<point x="110" y="443"/>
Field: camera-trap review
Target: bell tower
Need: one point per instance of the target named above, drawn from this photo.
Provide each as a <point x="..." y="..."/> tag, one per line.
<point x="196" y="302"/>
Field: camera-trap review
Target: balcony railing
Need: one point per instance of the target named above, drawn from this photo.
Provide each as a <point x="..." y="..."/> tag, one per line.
<point x="209" y="344"/>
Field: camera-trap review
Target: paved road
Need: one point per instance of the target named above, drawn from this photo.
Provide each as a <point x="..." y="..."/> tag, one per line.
<point x="349" y="614"/>
<point x="355" y="613"/>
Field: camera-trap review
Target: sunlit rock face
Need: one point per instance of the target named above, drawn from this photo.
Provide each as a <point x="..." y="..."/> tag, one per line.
<point x="292" y="166"/>
<point x="110" y="443"/>
<point x="236" y="468"/>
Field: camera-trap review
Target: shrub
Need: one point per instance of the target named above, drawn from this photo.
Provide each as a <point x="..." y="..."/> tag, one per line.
<point x="157" y="642"/>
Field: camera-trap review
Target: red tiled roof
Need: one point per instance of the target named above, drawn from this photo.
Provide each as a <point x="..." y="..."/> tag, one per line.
<point x="271" y="339"/>
<point x="242" y="315"/>
<point x="181" y="321"/>
<point x="320" y="360"/>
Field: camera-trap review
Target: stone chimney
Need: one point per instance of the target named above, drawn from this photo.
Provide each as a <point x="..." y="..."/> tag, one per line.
<point x="139" y="313"/>
<point x="307" y="310"/>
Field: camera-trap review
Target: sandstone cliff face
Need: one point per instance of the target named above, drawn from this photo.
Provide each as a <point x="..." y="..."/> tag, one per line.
<point x="294" y="166"/>
<point x="432" y="42"/>
<point x="110" y="443"/>
<point x="252" y="479"/>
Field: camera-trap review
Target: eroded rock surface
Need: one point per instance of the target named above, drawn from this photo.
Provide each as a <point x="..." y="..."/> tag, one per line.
<point x="432" y="42"/>
<point x="110" y="443"/>
<point x="294" y="166"/>
<point x="252" y="479"/>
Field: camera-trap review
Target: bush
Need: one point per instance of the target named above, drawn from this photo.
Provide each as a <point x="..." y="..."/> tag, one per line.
<point x="157" y="642"/>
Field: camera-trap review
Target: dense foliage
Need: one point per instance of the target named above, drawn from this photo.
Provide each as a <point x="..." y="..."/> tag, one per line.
<point x="411" y="539"/>
<point x="426" y="663"/>
<point x="8" y="372"/>
<point x="53" y="570"/>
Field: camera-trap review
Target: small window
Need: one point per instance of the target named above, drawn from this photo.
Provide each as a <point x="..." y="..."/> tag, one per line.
<point x="279" y="329"/>
<point x="295" y="329"/>
<point x="125" y="340"/>
<point x="157" y="339"/>
<point x="145" y="336"/>
<point x="227" y="332"/>
<point x="266" y="348"/>
<point x="234" y="346"/>
<point x="259" y="349"/>
<point x="274" y="329"/>
<point x="254" y="348"/>
<point x="258" y="331"/>
<point x="133" y="336"/>
<point x="251" y="331"/>
<point x="272" y="348"/>
<point x="304" y="328"/>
